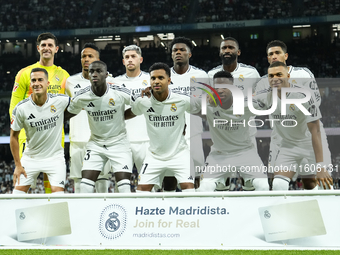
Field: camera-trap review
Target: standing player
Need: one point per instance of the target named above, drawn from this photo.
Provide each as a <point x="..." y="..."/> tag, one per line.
<point x="245" y="76"/>
<point x="135" y="80"/>
<point x="231" y="142"/>
<point x="105" y="105"/>
<point x="41" y="115"/>
<point x="277" y="51"/>
<point x="300" y="139"/>
<point x="47" y="46"/>
<point x="181" y="75"/>
<point x="79" y="125"/>
<point x="165" y="119"/>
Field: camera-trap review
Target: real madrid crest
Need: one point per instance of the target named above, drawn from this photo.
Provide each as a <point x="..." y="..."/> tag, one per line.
<point x="173" y="108"/>
<point x="57" y="78"/>
<point x="241" y="77"/>
<point x="292" y="107"/>
<point x="112" y="102"/>
<point x="193" y="79"/>
<point x="53" y="109"/>
<point x="145" y="83"/>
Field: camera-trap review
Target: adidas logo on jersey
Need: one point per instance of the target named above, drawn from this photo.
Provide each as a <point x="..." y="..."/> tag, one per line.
<point x="77" y="86"/>
<point x="31" y="117"/>
<point x="62" y="183"/>
<point x="150" y="110"/>
<point x="91" y="105"/>
<point x="125" y="167"/>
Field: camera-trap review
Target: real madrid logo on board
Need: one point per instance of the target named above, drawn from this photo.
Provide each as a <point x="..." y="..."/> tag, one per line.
<point x="112" y="102"/>
<point x="173" y="108"/>
<point x="112" y="223"/>
<point x="145" y="83"/>
<point x="292" y="107"/>
<point x="241" y="77"/>
<point x="53" y="109"/>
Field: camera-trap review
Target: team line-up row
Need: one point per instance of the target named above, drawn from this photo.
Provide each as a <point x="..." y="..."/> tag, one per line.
<point x="108" y="137"/>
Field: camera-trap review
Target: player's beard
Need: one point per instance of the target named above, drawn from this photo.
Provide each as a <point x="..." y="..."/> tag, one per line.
<point x="228" y="61"/>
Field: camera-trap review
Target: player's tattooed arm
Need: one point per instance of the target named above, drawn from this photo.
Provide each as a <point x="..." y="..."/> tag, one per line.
<point x="322" y="174"/>
<point x="14" y="144"/>
<point x="128" y="114"/>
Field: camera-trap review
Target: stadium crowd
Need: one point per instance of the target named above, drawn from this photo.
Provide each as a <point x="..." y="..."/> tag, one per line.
<point x="35" y="14"/>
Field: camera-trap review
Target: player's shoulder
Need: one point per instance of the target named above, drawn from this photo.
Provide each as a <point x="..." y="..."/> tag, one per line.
<point x="144" y="74"/>
<point x="27" y="69"/>
<point x="303" y="72"/>
<point x="59" y="68"/>
<point x="83" y="92"/>
<point x="248" y="68"/>
<point x="75" y="77"/>
<point x="119" y="88"/>
<point x="178" y="93"/>
<point x="197" y="69"/>
<point x="215" y="69"/>
<point x="23" y="103"/>
<point x="242" y="65"/>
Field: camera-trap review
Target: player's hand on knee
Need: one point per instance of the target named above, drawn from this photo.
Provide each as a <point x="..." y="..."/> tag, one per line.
<point x="146" y="92"/>
<point x="19" y="170"/>
<point x="324" y="178"/>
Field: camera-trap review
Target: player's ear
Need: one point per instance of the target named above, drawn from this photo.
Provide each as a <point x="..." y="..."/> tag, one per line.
<point x="238" y="52"/>
<point x="189" y="54"/>
<point x="169" y="81"/>
<point x="286" y="56"/>
<point x="56" y="49"/>
<point x="288" y="75"/>
<point x="141" y="60"/>
<point x="123" y="60"/>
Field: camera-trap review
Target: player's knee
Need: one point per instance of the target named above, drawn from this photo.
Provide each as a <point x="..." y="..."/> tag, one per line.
<point x="206" y="186"/>
<point x="281" y="182"/>
<point x="261" y="184"/>
<point x="309" y="183"/>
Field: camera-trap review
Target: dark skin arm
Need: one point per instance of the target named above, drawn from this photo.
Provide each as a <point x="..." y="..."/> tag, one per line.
<point x="128" y="114"/>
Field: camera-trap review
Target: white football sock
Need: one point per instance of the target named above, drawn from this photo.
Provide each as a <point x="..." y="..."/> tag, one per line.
<point x="261" y="184"/>
<point x="124" y="186"/>
<point x="102" y="185"/>
<point x="76" y="183"/>
<point x="281" y="182"/>
<point x="86" y="186"/>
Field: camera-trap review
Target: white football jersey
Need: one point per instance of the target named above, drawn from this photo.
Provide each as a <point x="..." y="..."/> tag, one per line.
<point x="135" y="127"/>
<point x="291" y="132"/>
<point x="165" y="122"/>
<point x="245" y="76"/>
<point x="79" y="124"/>
<point x="298" y="75"/>
<point x="105" y="113"/>
<point x="181" y="82"/>
<point x="43" y="125"/>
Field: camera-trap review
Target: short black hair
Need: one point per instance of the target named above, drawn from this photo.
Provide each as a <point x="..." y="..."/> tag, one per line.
<point x="224" y="74"/>
<point x="158" y="66"/>
<point x="92" y="46"/>
<point x="99" y="62"/>
<point x="278" y="63"/>
<point x="231" y="39"/>
<point x="184" y="40"/>
<point x="277" y="43"/>
<point x="39" y="69"/>
<point x="45" y="36"/>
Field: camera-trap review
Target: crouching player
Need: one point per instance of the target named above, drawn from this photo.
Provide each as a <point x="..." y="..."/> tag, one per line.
<point x="232" y="151"/>
<point x="301" y="138"/>
<point x="168" y="153"/>
<point x="42" y="117"/>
